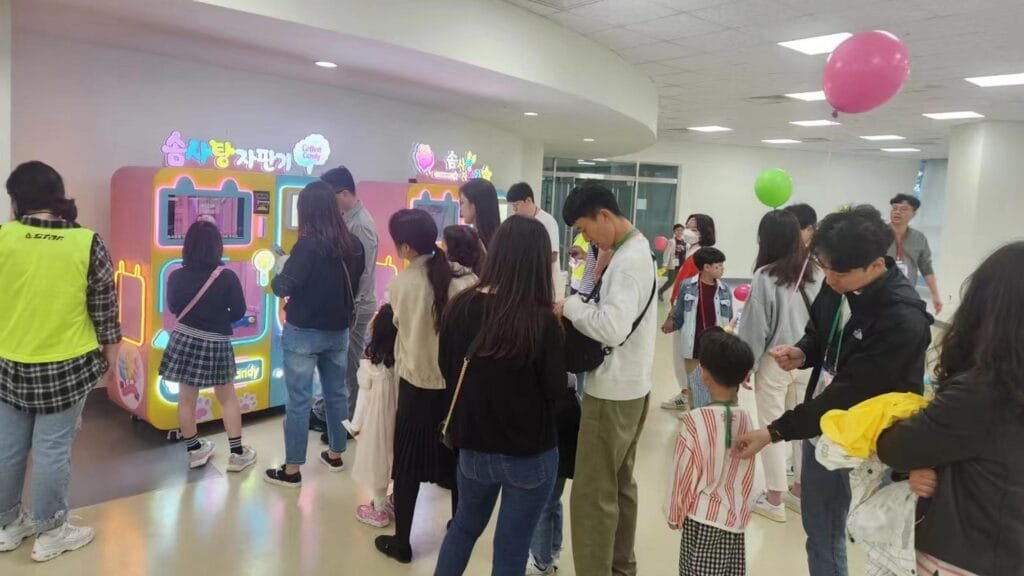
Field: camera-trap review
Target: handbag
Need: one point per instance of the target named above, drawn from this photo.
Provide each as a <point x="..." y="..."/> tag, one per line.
<point x="199" y="295"/>
<point x="583" y="353"/>
<point x="446" y="438"/>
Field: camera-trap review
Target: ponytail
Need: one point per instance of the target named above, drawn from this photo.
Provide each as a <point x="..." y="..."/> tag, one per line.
<point x="439" y="273"/>
<point x="65" y="209"/>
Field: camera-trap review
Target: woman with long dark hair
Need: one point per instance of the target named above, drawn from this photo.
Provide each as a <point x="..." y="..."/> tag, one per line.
<point x="503" y="415"/>
<point x="59" y="336"/>
<point x="785" y="284"/>
<point x="699" y="233"/>
<point x="478" y="201"/>
<point x="320" y="280"/>
<point x="419" y="295"/>
<point x="964" y="450"/>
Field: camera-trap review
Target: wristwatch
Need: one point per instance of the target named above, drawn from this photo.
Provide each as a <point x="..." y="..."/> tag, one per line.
<point x="775" y="434"/>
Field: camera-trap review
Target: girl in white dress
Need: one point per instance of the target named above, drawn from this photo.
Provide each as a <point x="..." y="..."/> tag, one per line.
<point x="374" y="420"/>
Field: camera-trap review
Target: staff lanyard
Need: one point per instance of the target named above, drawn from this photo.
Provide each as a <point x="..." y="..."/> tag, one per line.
<point x="630" y="234"/>
<point x="728" y="420"/>
<point x="832" y="334"/>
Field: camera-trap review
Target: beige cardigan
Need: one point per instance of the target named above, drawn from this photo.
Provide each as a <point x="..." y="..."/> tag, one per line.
<point x="413" y="302"/>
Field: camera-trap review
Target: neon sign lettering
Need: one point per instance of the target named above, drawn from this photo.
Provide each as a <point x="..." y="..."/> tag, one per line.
<point x="308" y="153"/>
<point x="450" y="168"/>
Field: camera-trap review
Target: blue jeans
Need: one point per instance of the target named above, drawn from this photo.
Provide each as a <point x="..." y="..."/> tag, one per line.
<point x="825" y="500"/>
<point x="525" y="485"/>
<point x="547" y="538"/>
<point x="48" y="438"/>
<point x="306" y="351"/>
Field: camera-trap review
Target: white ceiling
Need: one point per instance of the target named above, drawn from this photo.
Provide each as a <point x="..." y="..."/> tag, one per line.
<point x="709" y="58"/>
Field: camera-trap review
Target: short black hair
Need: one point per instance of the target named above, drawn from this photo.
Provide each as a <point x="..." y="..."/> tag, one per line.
<point x="677" y="227"/>
<point x="586" y="200"/>
<point x="519" y="192"/>
<point x="705" y="227"/>
<point x="204" y="246"/>
<point x="805" y="215"/>
<point x="914" y="201"/>
<point x="707" y="255"/>
<point x="340" y="179"/>
<point x="726" y="357"/>
<point x="852" y="238"/>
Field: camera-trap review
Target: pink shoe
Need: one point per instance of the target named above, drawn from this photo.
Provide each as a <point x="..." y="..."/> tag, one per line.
<point x="369" y="515"/>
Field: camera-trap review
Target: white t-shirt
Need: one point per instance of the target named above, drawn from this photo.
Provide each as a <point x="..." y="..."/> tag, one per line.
<point x="551" y="225"/>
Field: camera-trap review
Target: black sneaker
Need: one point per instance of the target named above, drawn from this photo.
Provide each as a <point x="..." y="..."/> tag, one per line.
<point x="389" y="546"/>
<point x="325" y="440"/>
<point x="316" y="424"/>
<point x="279" y="477"/>
<point x="333" y="464"/>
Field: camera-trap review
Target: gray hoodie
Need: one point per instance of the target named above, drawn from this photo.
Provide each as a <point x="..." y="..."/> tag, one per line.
<point x="774" y="315"/>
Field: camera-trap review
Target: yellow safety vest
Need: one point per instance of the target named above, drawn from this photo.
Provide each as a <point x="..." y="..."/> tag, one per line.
<point x="43" y="281"/>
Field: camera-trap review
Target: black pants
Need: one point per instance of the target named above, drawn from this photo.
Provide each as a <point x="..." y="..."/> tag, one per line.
<point x="670" y="276"/>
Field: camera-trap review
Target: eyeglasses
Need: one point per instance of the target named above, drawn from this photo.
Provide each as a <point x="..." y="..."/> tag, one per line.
<point x="902" y="209"/>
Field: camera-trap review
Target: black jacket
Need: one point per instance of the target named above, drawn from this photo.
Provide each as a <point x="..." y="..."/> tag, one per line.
<point x="976" y="519"/>
<point x="320" y="297"/>
<point x="221" y="306"/>
<point x="883" y="350"/>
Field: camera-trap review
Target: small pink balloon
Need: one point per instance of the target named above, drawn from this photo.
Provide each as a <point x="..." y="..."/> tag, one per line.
<point x="660" y="243"/>
<point x="865" y="71"/>
<point x="741" y="292"/>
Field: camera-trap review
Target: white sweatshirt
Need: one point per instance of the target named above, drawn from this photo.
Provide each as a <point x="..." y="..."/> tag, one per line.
<point x="625" y="290"/>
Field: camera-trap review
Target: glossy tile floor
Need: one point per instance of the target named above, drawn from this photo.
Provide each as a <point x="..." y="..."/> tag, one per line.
<point x="210" y="522"/>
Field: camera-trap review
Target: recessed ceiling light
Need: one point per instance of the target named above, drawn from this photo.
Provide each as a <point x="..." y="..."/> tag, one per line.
<point x="588" y="139"/>
<point x="814" y="123"/>
<point x="709" y="129"/>
<point x="953" y="115"/>
<point x="584" y="163"/>
<point x="882" y="137"/>
<point x="808" y="96"/>
<point x="781" y="141"/>
<point x="1000" y="80"/>
<point x="901" y="150"/>
<point x="325" y="64"/>
<point x="600" y="159"/>
<point x="530" y="114"/>
<point x="817" y="44"/>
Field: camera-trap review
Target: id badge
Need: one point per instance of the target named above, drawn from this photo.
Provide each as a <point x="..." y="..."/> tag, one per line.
<point x="824" y="381"/>
<point x="902" y="265"/>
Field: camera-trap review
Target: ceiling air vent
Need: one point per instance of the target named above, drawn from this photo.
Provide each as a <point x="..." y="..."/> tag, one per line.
<point x="776" y="99"/>
<point x="566" y="4"/>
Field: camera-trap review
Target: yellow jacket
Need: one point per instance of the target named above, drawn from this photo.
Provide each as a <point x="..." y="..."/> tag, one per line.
<point x="857" y="430"/>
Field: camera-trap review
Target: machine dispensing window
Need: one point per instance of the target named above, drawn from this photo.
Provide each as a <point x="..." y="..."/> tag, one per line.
<point x="229" y="208"/>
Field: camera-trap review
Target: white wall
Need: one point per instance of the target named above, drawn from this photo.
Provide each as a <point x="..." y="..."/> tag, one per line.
<point x="719" y="181"/>
<point x="5" y="102"/>
<point x="89" y="110"/>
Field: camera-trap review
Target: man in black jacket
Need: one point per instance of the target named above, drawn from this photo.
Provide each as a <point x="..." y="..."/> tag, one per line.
<point x="867" y="336"/>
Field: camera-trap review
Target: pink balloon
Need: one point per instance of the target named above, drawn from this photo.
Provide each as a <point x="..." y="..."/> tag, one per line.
<point x="865" y="71"/>
<point x="741" y="292"/>
<point x="660" y="243"/>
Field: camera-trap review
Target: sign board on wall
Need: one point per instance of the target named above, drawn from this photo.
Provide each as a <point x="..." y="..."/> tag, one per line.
<point x="311" y="151"/>
<point x="450" y="168"/>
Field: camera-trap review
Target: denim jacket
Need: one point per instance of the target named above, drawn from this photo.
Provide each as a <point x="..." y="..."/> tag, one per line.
<point x="684" y="314"/>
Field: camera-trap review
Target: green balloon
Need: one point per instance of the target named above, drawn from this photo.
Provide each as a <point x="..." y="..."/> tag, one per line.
<point x="774" y="187"/>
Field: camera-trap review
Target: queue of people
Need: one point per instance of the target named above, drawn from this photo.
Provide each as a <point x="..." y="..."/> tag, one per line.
<point x="462" y="381"/>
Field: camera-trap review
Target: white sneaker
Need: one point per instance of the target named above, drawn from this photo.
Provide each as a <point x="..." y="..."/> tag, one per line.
<point x="63" y="539"/>
<point x="773" y="512"/>
<point x="239" y="462"/>
<point x="199" y="458"/>
<point x="14" y="533"/>
<point x="792" y="502"/>
<point x="533" y="570"/>
<point x="677" y="402"/>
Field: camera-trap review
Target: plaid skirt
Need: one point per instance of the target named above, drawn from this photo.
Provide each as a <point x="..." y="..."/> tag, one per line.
<point x="198" y="358"/>
<point x="710" y="551"/>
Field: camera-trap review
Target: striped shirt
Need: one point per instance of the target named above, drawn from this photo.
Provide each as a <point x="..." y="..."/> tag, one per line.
<point x="708" y="484"/>
<point x="589" y="272"/>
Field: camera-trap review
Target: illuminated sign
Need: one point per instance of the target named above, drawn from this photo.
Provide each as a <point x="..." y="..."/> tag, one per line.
<point x="248" y="370"/>
<point x="311" y="151"/>
<point x="450" y="168"/>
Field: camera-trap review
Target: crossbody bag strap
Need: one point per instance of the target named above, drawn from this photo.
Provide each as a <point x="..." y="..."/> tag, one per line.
<point x="640" y="318"/>
<point x="462" y="376"/>
<point x="199" y="295"/>
<point x="807" y="301"/>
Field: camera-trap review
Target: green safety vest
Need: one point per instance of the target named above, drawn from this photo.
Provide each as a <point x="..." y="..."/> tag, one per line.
<point x="43" y="280"/>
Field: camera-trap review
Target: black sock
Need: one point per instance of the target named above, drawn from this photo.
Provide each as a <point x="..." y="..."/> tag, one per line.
<point x="236" y="445"/>
<point x="192" y="444"/>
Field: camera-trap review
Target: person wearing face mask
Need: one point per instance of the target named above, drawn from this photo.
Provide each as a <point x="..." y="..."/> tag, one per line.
<point x="699" y="233"/>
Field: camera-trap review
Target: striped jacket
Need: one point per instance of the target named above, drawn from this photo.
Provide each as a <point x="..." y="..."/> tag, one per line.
<point x="708" y="484"/>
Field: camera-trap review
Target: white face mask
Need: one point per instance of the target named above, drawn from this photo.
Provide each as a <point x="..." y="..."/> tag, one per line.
<point x="691" y="237"/>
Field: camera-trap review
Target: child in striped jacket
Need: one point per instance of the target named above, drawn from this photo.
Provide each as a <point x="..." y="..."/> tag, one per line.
<point x="709" y="495"/>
